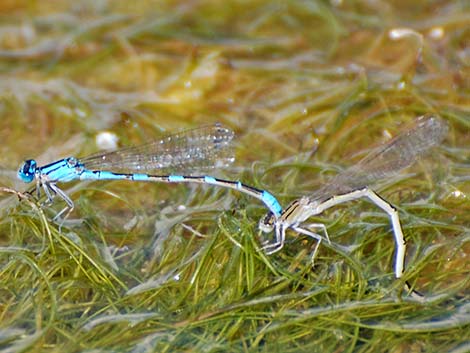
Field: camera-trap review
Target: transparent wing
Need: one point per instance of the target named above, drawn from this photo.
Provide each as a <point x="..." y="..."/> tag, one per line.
<point x="388" y="159"/>
<point x="187" y="151"/>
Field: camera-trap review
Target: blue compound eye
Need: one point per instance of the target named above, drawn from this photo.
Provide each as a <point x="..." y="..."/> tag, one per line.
<point x="27" y="170"/>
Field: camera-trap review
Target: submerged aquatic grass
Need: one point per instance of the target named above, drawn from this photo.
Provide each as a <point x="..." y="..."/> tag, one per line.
<point x="309" y="87"/>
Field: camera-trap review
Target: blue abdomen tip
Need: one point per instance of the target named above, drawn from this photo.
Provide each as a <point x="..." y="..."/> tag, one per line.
<point x="272" y="203"/>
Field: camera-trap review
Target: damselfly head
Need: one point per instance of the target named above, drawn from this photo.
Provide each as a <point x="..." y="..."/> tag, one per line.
<point x="27" y="170"/>
<point x="266" y="224"/>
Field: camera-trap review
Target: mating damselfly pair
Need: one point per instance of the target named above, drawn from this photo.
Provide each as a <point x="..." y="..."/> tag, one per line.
<point x="208" y="147"/>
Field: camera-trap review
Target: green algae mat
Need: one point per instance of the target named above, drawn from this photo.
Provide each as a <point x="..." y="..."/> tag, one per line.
<point x="309" y="88"/>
